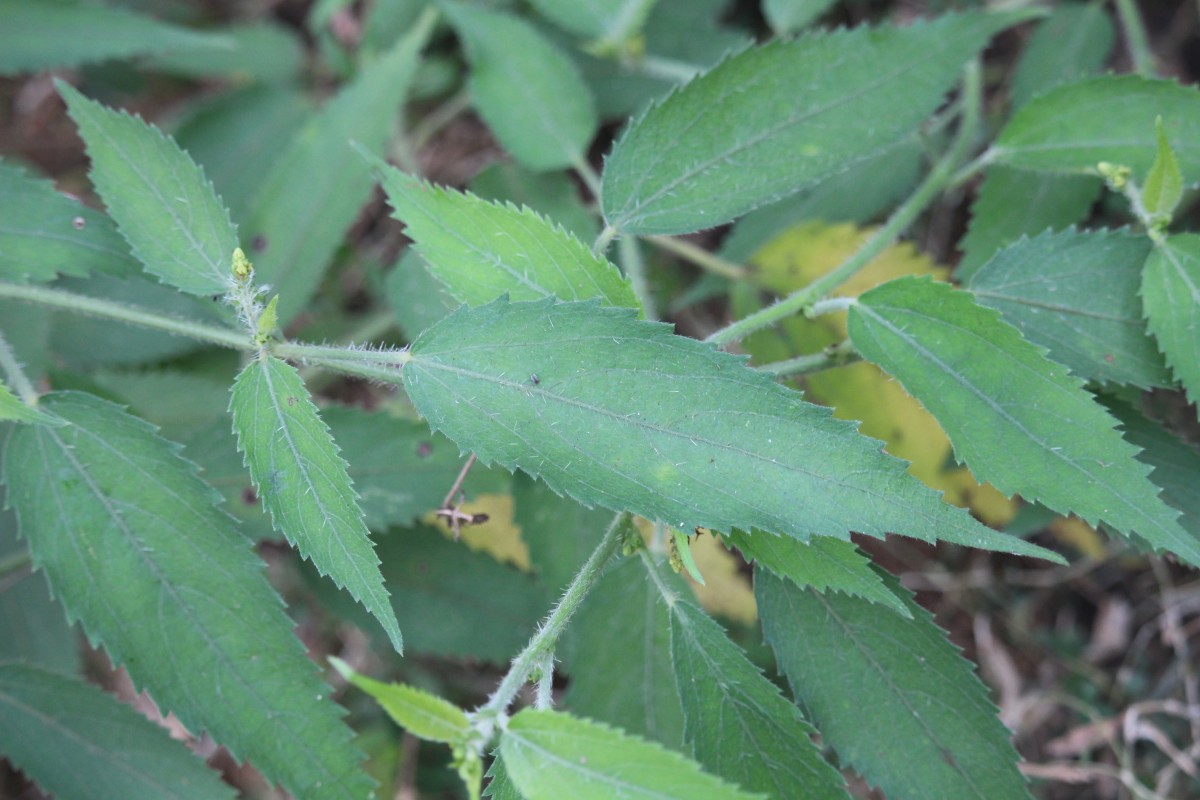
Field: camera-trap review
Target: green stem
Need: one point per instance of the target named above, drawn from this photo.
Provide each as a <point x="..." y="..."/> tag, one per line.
<point x="600" y="246"/>
<point x="438" y="118"/>
<point x="833" y="356"/>
<point x="10" y="565"/>
<point x="702" y="258"/>
<point x="1135" y="37"/>
<point x="589" y="176"/>
<point x="901" y="219"/>
<point x="543" y="642"/>
<point x="667" y="69"/>
<point x="16" y="376"/>
<point x="654" y="569"/>
<point x="630" y="253"/>
<point x="91" y="306"/>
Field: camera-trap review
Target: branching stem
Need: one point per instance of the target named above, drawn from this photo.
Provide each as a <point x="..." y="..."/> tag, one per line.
<point x="16" y="376"/>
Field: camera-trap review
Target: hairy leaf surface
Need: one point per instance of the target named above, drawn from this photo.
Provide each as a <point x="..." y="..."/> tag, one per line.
<point x="824" y="564"/>
<point x="897" y="701"/>
<point x="11" y="408"/>
<point x="319" y="183"/>
<point x="500" y="786"/>
<point x="76" y="741"/>
<point x="1075" y="293"/>
<point x="161" y="201"/>
<point x="481" y="250"/>
<point x="775" y="119"/>
<point x="526" y="89"/>
<point x="1171" y="295"/>
<point x="133" y="546"/>
<point x="738" y="724"/>
<point x="1017" y="419"/>
<point x="302" y="481"/>
<point x="559" y="390"/>
<point x="43" y="35"/>
<point x="550" y="756"/>
<point x="44" y="233"/>
<point x="1073" y="128"/>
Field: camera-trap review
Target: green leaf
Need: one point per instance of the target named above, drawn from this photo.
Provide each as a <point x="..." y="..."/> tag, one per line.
<point x="43" y="35"/>
<point x="33" y="628"/>
<point x="1171" y="296"/>
<point x="318" y="185"/>
<point x="161" y="201"/>
<point x="500" y="786"/>
<point x="526" y="89"/>
<point x="1013" y="203"/>
<point x="1017" y="419"/>
<point x="551" y="194"/>
<point x="236" y="136"/>
<point x="76" y="741"/>
<point x="1074" y="41"/>
<point x="259" y="51"/>
<point x="133" y="546"/>
<point x="857" y="194"/>
<point x="454" y="602"/>
<point x="417" y="298"/>
<point x="619" y="657"/>
<point x="775" y="119"/>
<point x="303" y="483"/>
<point x="44" y="234"/>
<point x="422" y="714"/>
<point x="1111" y="118"/>
<point x="1075" y="294"/>
<point x="1164" y="184"/>
<point x="13" y="409"/>
<point x="550" y="756"/>
<point x="824" y="564"/>
<point x="717" y="448"/>
<point x="560" y="534"/>
<point x="608" y="21"/>
<point x="898" y="702"/>
<point x="739" y="725"/>
<point x="789" y="16"/>
<point x="481" y="250"/>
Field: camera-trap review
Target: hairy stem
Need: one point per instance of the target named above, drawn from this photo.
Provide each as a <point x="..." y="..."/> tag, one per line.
<point x="1135" y="38"/>
<point x="630" y="254"/>
<point x="833" y="356"/>
<point x="710" y="262"/>
<point x="542" y="644"/>
<point x="901" y="219"/>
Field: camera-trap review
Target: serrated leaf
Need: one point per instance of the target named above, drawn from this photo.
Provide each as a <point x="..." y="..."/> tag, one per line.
<point x="422" y="714"/>
<point x="33" y="628"/>
<point x="1017" y="419"/>
<point x="551" y="194"/>
<point x="609" y="21"/>
<point x="259" y="51"/>
<point x="1164" y="183"/>
<point x="789" y="16"/>
<point x="1075" y="294"/>
<point x="43" y="35"/>
<point x="11" y="408"/>
<point x="775" y="119"/>
<point x="526" y="89"/>
<point x="824" y="564"/>
<point x="717" y="449"/>
<point x="1171" y="296"/>
<point x="318" y="185"/>
<point x="481" y="250"/>
<point x="550" y="756"/>
<point x="1110" y="118"/>
<point x="44" y="234"/>
<point x="500" y="786"/>
<point x="302" y="481"/>
<point x="417" y="298"/>
<point x="560" y="534"/>
<point x="932" y="733"/>
<point x="1074" y="41"/>
<point x="76" y="741"/>
<point x="161" y="201"/>
<point x="133" y="546"/>
<point x="1013" y="203"/>
<point x="738" y="724"/>
<point x="619" y="657"/>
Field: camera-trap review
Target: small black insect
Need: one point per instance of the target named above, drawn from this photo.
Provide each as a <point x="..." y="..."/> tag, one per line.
<point x="533" y="378"/>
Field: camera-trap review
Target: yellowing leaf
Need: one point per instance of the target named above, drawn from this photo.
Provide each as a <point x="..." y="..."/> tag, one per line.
<point x="861" y="391"/>
<point x="726" y="590"/>
<point x="499" y="537"/>
<point x="1078" y="534"/>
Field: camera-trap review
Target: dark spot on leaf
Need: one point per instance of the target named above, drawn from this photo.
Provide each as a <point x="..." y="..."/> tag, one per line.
<point x="79" y="222"/>
<point x="259" y="243"/>
<point x="1108" y="357"/>
<point x="249" y="496"/>
<point x="422" y="568"/>
<point x="424" y="449"/>
<point x="291" y="401"/>
<point x="948" y="757"/>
